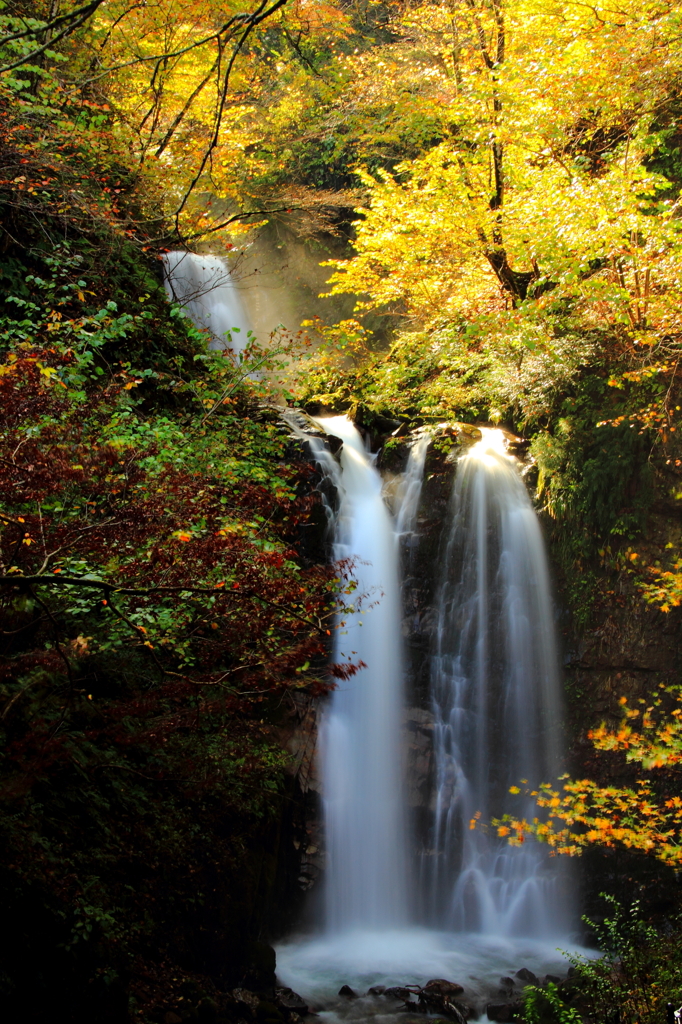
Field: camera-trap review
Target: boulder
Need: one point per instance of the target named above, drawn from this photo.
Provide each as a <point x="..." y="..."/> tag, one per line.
<point x="554" y="979"/>
<point x="260" y="972"/>
<point x="527" y="977"/>
<point x="289" y="1000"/>
<point x="247" y="1001"/>
<point x="399" y="992"/>
<point x="268" y="1013"/>
<point x="440" y="988"/>
<point x="376" y="990"/>
<point x="347" y="992"/>
<point x="439" y="995"/>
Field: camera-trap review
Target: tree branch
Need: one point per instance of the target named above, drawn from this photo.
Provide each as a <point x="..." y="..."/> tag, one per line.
<point x="111" y="588"/>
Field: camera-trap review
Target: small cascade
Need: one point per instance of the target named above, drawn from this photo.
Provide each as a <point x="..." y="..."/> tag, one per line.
<point x="203" y="285"/>
<point x="496" y="705"/>
<point x="366" y="882"/>
<point x="410" y="490"/>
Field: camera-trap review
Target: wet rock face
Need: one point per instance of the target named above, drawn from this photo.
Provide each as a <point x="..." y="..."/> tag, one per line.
<point x="421" y="553"/>
<point x="626" y="648"/>
<point x="418" y="748"/>
<point x="303" y="852"/>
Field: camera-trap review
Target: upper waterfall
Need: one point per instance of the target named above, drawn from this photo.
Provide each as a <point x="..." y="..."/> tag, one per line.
<point x="203" y="285"/>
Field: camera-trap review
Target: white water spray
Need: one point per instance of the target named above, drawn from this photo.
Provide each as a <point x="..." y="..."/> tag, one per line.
<point x="495" y="689"/>
<point x="203" y="285"/>
<point x="366" y="884"/>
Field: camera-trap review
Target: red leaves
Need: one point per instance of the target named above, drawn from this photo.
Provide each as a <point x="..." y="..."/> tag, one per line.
<point x="345" y="669"/>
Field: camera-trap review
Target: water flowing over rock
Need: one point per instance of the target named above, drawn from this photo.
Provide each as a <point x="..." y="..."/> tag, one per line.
<point x="366" y="882"/>
<point x="483" y="714"/>
<point x="409" y="492"/>
<point x="495" y="696"/>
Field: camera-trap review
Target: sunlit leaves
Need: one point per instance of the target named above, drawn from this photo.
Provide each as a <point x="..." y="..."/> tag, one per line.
<point x="646" y="817"/>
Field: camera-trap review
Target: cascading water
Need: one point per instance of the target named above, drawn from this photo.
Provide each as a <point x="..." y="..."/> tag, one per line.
<point x="366" y="882"/>
<point x="203" y="285"/>
<point x="495" y="701"/>
<point x="409" y="492"/>
<point x="496" y="704"/>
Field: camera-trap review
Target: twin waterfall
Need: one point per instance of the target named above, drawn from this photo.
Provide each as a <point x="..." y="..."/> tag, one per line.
<point x="494" y="687"/>
<point x="495" y="704"/>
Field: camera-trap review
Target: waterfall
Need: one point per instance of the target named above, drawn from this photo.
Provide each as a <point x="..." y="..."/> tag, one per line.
<point x="494" y="691"/>
<point x="496" y="705"/>
<point x="366" y="884"/>
<point x="203" y="285"/>
<point x="410" y="490"/>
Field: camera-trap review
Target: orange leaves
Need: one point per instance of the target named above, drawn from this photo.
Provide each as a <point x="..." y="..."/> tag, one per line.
<point x="638" y="819"/>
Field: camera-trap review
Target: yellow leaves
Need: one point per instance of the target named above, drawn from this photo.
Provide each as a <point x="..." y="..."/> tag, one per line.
<point x="514" y="789"/>
<point x="637" y="819"/>
<point x="182" y="535"/>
